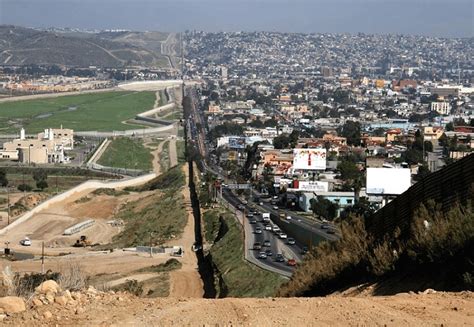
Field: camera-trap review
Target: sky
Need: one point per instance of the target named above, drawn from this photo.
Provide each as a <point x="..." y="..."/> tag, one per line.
<point x="444" y="18"/>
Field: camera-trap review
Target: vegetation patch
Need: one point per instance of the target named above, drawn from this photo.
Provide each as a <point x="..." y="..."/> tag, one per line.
<point x="127" y="153"/>
<point x="155" y="218"/>
<point x="241" y="278"/>
<point x="104" y="111"/>
<point x="180" y="150"/>
<point x="436" y="254"/>
<point x="110" y="192"/>
<point x="169" y="265"/>
<point x="165" y="156"/>
<point x="173" y="178"/>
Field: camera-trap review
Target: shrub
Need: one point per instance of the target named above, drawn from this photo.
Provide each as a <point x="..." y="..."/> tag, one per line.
<point x="25" y="188"/>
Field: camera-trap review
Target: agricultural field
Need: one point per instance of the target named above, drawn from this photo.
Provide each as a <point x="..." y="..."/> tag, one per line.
<point x="127" y="153"/>
<point x="104" y="111"/>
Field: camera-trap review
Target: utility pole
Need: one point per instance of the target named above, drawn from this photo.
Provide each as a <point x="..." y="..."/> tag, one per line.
<point x="8" y="206"/>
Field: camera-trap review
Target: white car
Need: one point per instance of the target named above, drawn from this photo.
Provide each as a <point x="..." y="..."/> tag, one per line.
<point x="275" y="207"/>
<point x="288" y="218"/>
<point x="25" y="242"/>
<point x="283" y="236"/>
<point x="268" y="227"/>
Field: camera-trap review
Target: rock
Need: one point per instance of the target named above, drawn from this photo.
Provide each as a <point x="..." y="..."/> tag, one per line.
<point x="76" y="296"/>
<point x="37" y="302"/>
<point x="429" y="291"/>
<point x="92" y="290"/>
<point x="2" y="317"/>
<point x="12" y="304"/>
<point x="47" y="315"/>
<point x="61" y="300"/>
<point x="67" y="294"/>
<point x="50" y="297"/>
<point x="49" y="286"/>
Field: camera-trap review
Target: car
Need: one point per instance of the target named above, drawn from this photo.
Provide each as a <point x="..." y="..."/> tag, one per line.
<point x="304" y="250"/>
<point x="276" y="229"/>
<point x="241" y="207"/>
<point x="244" y="202"/>
<point x="257" y="246"/>
<point x="260" y="203"/>
<point x="262" y="255"/>
<point x="269" y="253"/>
<point x="282" y="236"/>
<point x="291" y="241"/>
<point x="275" y="207"/>
<point x="275" y="197"/>
<point x="25" y="242"/>
<point x="288" y="218"/>
<point x="268" y="227"/>
<point x="258" y="230"/>
<point x="331" y="231"/>
<point x="253" y="221"/>
<point x="279" y="258"/>
<point x="249" y="215"/>
<point x="325" y="226"/>
<point x="291" y="262"/>
<point x="267" y="243"/>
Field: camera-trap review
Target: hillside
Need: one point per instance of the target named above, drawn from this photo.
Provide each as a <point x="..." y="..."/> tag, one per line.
<point x="22" y="46"/>
<point x="96" y="308"/>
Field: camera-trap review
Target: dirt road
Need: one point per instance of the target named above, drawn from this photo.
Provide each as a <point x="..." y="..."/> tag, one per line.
<point x="186" y="282"/>
<point x="173" y="153"/>
<point x="156" y="158"/>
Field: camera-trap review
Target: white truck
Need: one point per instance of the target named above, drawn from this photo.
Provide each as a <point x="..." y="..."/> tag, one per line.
<point x="266" y="217"/>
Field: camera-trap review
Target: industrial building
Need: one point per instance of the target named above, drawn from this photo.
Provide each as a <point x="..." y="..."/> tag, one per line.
<point x="47" y="147"/>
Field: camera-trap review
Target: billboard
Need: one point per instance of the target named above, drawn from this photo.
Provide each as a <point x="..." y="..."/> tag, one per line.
<point x="309" y="159"/>
<point x="315" y="186"/>
<point x="236" y="142"/>
<point x="389" y="181"/>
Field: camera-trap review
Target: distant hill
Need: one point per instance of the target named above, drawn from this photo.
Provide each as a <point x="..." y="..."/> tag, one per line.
<point x="23" y="46"/>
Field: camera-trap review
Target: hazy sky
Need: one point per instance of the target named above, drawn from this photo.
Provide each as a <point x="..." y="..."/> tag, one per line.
<point x="427" y="17"/>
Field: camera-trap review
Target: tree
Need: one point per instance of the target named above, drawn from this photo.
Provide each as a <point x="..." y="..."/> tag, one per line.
<point x="449" y="127"/>
<point x="351" y="131"/>
<point x="348" y="169"/>
<point x="42" y="184"/>
<point x="362" y="208"/>
<point x="281" y="141"/>
<point x="324" y="208"/>
<point x="3" y="178"/>
<point x="257" y="123"/>
<point x="40" y="174"/>
<point x="24" y="188"/>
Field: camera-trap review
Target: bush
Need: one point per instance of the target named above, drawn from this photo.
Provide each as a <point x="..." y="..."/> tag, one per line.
<point x="25" y="188"/>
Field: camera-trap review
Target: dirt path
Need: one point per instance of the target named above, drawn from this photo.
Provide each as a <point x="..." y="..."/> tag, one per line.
<point x="173" y="153"/>
<point x="137" y="277"/>
<point x="186" y="282"/>
<point x="156" y="158"/>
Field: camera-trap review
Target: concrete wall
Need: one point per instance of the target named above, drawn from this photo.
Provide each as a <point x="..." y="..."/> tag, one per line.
<point x="89" y="185"/>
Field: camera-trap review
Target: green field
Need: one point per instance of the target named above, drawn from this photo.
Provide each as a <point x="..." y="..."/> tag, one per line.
<point x="127" y="153"/>
<point x="104" y="111"/>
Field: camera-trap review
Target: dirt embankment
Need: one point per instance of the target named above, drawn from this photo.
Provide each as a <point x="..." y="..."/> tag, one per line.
<point x="107" y="309"/>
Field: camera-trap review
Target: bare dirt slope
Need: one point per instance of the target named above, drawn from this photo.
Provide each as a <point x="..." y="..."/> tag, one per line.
<point x="106" y="309"/>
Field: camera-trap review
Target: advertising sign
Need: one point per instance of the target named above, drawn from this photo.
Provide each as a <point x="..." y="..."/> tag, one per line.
<point x="389" y="181"/>
<point x="309" y="159"/>
<point x="315" y="186"/>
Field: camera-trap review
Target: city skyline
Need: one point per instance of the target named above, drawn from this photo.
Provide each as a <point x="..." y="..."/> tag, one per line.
<point x="430" y="18"/>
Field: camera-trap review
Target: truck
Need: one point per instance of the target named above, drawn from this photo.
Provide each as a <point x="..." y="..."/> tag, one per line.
<point x="266" y="217"/>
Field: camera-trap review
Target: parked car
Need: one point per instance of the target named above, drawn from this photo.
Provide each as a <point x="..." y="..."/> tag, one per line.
<point x="25" y="242"/>
<point x="291" y="241"/>
<point x="291" y="262"/>
<point x="267" y="243"/>
<point x="262" y="255"/>
<point x="257" y="246"/>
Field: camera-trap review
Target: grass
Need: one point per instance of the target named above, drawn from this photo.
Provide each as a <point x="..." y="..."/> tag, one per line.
<point x="127" y="153"/>
<point x="161" y="215"/>
<point x="55" y="183"/>
<point x="180" y="152"/>
<point x="169" y="265"/>
<point x="241" y="278"/>
<point x="104" y="111"/>
<point x="165" y="156"/>
<point x="173" y="178"/>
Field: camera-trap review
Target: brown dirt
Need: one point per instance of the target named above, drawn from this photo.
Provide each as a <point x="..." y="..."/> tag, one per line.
<point x="107" y="309"/>
<point x="186" y="282"/>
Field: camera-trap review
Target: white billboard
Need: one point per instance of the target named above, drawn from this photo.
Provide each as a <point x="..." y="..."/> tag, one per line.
<point x="315" y="186"/>
<point x="390" y="181"/>
<point x="309" y="159"/>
